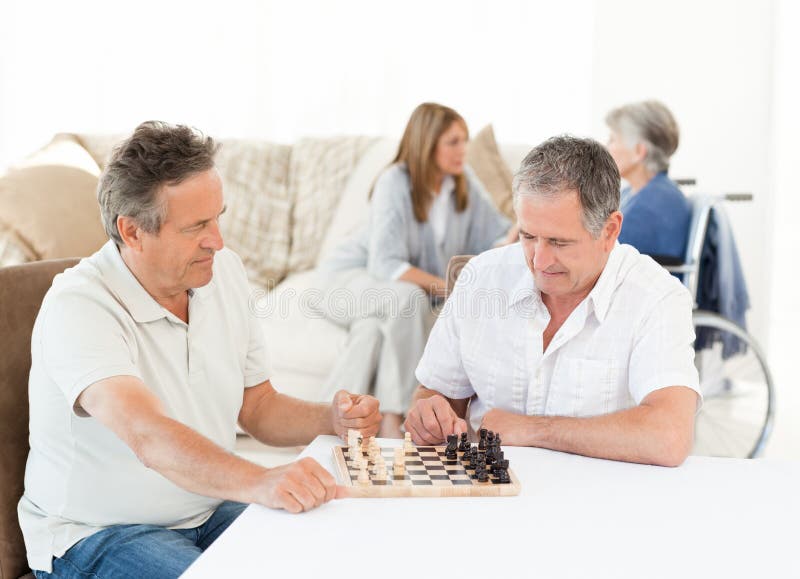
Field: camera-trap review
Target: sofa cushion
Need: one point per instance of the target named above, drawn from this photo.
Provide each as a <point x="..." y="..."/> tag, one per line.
<point x="485" y="159"/>
<point x="300" y="340"/>
<point x="353" y="208"/>
<point x="256" y="224"/>
<point x="318" y="172"/>
<point x="48" y="203"/>
<point x="100" y="146"/>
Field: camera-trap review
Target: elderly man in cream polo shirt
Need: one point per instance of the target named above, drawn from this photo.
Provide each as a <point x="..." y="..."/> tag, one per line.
<point x="567" y="340"/>
<point x="144" y="356"/>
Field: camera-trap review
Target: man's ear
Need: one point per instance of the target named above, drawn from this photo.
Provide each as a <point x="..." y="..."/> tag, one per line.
<point x="612" y="229"/>
<point x="130" y="232"/>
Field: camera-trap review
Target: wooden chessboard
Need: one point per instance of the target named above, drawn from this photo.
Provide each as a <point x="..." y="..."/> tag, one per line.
<point x="427" y="474"/>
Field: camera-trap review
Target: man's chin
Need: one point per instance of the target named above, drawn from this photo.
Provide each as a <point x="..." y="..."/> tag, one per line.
<point x="201" y="279"/>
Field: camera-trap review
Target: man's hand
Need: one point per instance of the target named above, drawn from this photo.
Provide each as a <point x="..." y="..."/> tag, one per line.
<point x="357" y="412"/>
<point x="512" y="427"/>
<point x="431" y="419"/>
<point x="296" y="487"/>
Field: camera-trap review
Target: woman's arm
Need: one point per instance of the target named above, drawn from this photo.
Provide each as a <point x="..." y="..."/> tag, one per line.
<point x="432" y="284"/>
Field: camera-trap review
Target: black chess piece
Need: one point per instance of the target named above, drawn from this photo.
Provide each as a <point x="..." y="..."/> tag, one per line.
<point x="482" y="442"/>
<point x="501" y="465"/>
<point x="452" y="446"/>
<point x="503" y="477"/>
<point x="482" y="475"/>
<point x="464" y="444"/>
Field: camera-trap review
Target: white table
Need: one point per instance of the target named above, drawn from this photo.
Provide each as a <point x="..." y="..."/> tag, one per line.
<point x="575" y="517"/>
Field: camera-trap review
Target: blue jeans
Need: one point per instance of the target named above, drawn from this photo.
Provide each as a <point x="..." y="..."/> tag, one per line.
<point x="142" y="550"/>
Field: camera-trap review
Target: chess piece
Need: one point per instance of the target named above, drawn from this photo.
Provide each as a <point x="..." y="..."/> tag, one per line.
<point x="408" y="446"/>
<point x="399" y="462"/>
<point x="482" y="442"/>
<point x="452" y="446"/>
<point x="464" y="444"/>
<point x="363" y="474"/>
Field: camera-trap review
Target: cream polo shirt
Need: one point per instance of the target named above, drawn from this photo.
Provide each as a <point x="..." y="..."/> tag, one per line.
<point x="96" y="322"/>
<point x="630" y="336"/>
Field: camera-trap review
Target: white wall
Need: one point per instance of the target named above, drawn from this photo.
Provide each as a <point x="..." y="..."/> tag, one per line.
<point x="282" y="70"/>
<point x="782" y="231"/>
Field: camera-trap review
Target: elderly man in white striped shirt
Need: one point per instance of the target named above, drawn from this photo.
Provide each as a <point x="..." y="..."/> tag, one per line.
<point x="567" y="340"/>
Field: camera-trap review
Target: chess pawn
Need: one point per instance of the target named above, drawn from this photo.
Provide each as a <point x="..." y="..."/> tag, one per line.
<point x="399" y="456"/>
<point x="363" y="475"/>
<point x="408" y="445"/>
<point x="463" y="446"/>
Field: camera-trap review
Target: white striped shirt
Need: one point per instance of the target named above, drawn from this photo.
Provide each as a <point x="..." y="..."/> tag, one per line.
<point x="630" y="336"/>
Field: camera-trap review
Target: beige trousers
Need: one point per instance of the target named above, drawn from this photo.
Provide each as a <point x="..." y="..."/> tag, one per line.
<point x="388" y="325"/>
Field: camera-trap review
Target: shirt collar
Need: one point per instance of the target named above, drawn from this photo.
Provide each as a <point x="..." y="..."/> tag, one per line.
<point x="599" y="297"/>
<point x="124" y="285"/>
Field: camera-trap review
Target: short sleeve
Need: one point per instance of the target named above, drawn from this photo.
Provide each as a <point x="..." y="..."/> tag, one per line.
<point x="663" y="354"/>
<point x="441" y="367"/>
<point x="83" y="341"/>
<point x="258" y="365"/>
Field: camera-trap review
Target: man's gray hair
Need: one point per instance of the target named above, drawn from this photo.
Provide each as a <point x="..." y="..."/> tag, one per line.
<point x="156" y="154"/>
<point x="565" y="164"/>
<point x="649" y="122"/>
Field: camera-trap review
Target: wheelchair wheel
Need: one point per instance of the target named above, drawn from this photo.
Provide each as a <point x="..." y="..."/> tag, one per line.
<point x="738" y="400"/>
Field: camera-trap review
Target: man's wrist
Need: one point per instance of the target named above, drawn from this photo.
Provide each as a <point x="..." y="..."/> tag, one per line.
<point x="538" y="431"/>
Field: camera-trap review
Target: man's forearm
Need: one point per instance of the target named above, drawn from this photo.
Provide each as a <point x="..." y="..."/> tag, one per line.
<point x="280" y="420"/>
<point x="195" y="463"/>
<point x="638" y="434"/>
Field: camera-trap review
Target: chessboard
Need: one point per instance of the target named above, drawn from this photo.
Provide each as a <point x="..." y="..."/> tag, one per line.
<point x="426" y="473"/>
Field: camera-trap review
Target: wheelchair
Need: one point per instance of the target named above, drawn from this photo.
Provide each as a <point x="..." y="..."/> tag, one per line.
<point x="738" y="394"/>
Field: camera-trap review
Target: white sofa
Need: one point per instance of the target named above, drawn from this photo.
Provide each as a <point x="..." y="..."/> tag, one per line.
<point x="288" y="206"/>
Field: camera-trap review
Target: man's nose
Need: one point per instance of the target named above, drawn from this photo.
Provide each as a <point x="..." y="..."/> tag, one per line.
<point x="214" y="238"/>
<point x="542" y="256"/>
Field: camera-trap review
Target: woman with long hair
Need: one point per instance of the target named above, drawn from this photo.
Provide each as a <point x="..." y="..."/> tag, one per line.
<point x="426" y="207"/>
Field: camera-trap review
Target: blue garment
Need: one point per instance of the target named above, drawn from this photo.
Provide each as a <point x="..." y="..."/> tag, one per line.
<point x="656" y="219"/>
<point x="721" y="287"/>
<point x="393" y="236"/>
<point x="142" y="550"/>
